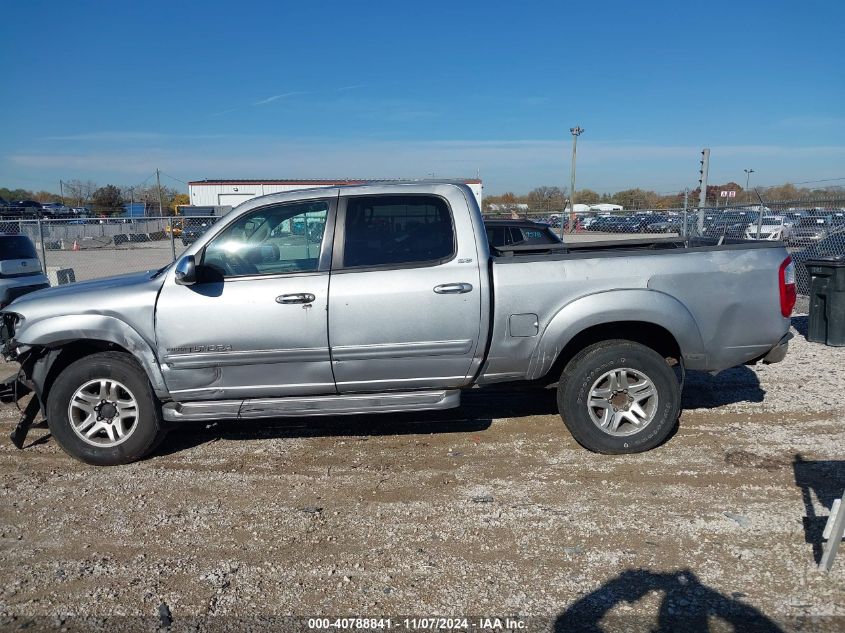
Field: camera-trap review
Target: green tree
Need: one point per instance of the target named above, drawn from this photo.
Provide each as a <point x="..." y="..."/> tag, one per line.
<point x="12" y="195"/>
<point x="107" y="199"/>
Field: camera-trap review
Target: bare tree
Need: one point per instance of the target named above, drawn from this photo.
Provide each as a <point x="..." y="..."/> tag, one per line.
<point x="548" y="198"/>
<point x="79" y="192"/>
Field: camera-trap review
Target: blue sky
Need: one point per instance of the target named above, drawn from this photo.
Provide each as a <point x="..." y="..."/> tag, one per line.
<point x="110" y="91"/>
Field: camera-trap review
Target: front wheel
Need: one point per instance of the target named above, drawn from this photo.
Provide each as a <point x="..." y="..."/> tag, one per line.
<point x="101" y="410"/>
<point x="619" y="397"/>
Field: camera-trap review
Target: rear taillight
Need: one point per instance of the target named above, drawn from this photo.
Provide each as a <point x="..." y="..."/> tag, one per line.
<point x="786" y="282"/>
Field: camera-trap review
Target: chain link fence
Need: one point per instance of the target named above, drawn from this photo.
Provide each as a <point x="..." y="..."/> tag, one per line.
<point x="87" y="248"/>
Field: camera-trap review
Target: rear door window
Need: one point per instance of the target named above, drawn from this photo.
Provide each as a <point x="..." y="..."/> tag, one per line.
<point x="397" y="230"/>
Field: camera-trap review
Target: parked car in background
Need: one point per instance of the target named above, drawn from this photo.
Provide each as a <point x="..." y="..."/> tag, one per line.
<point x="603" y="223"/>
<point x="194" y="230"/>
<point x="812" y="229"/>
<point x="673" y="224"/>
<point x="639" y="223"/>
<point x="771" y="227"/>
<point x="55" y="208"/>
<point x="730" y="224"/>
<point x="27" y="205"/>
<point x="176" y="224"/>
<point x="584" y="221"/>
<point x="515" y="232"/>
<point x="20" y="268"/>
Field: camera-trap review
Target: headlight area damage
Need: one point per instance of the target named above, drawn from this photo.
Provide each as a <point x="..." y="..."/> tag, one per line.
<point x="20" y="384"/>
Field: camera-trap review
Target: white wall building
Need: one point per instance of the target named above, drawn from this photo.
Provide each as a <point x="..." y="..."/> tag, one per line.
<point x="213" y="193"/>
<point x="605" y="207"/>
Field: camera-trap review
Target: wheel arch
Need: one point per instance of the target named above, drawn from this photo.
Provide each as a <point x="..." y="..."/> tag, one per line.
<point x="71" y="337"/>
<point x="644" y="316"/>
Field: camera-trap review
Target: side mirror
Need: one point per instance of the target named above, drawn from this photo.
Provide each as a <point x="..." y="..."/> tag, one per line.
<point x="186" y="271"/>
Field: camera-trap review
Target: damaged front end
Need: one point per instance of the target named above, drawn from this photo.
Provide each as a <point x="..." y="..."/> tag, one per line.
<point x="20" y="384"/>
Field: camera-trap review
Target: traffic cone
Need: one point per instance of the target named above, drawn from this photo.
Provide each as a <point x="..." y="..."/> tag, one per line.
<point x="75" y="246"/>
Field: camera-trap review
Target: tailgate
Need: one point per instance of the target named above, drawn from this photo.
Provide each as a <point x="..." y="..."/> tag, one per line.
<point x="24" y="266"/>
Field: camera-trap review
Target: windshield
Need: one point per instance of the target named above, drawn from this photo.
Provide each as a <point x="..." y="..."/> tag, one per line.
<point x="16" y="247"/>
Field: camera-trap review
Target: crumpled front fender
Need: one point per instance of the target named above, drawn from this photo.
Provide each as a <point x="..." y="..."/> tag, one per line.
<point x="54" y="332"/>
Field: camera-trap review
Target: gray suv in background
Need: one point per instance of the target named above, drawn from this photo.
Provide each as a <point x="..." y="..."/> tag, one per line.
<point x="20" y="268"/>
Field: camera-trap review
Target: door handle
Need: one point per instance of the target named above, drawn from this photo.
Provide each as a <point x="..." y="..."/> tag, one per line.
<point x="453" y="289"/>
<point x="298" y="297"/>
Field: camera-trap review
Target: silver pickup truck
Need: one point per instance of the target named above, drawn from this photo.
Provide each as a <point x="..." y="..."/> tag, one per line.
<point x="388" y="298"/>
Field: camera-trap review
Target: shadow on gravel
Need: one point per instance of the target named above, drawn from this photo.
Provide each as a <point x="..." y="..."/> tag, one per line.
<point x="825" y="478"/>
<point x="703" y="391"/>
<point x="478" y="409"/>
<point x="686" y="605"/>
<point x="801" y="323"/>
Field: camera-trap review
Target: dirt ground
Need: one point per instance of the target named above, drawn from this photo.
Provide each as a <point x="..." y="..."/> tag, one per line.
<point x="491" y="510"/>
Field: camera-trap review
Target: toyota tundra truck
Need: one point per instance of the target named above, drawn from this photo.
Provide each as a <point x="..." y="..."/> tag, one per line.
<point x="387" y="298"/>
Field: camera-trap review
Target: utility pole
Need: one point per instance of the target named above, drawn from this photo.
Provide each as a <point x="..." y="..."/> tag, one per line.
<point x="62" y="192"/>
<point x="158" y="183"/>
<point x="576" y="132"/>
<point x="702" y="186"/>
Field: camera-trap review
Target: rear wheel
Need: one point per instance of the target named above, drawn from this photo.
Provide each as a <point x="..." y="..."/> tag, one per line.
<point x="619" y="397"/>
<point x="101" y="410"/>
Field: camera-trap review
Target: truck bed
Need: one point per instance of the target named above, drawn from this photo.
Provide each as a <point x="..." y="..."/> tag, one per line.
<point x="723" y="298"/>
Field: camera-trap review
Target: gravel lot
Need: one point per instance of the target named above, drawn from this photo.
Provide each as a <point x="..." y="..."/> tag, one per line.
<point x="489" y="510"/>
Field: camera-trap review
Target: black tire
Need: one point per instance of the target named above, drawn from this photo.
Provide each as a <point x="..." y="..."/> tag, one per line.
<point x="588" y="366"/>
<point x="146" y="432"/>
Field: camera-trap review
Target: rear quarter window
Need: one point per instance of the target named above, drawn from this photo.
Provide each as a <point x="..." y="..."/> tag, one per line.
<point x="537" y="236"/>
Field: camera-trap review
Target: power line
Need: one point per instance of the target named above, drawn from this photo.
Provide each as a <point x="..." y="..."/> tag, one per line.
<point x="807" y="182"/>
<point x="174" y="178"/>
